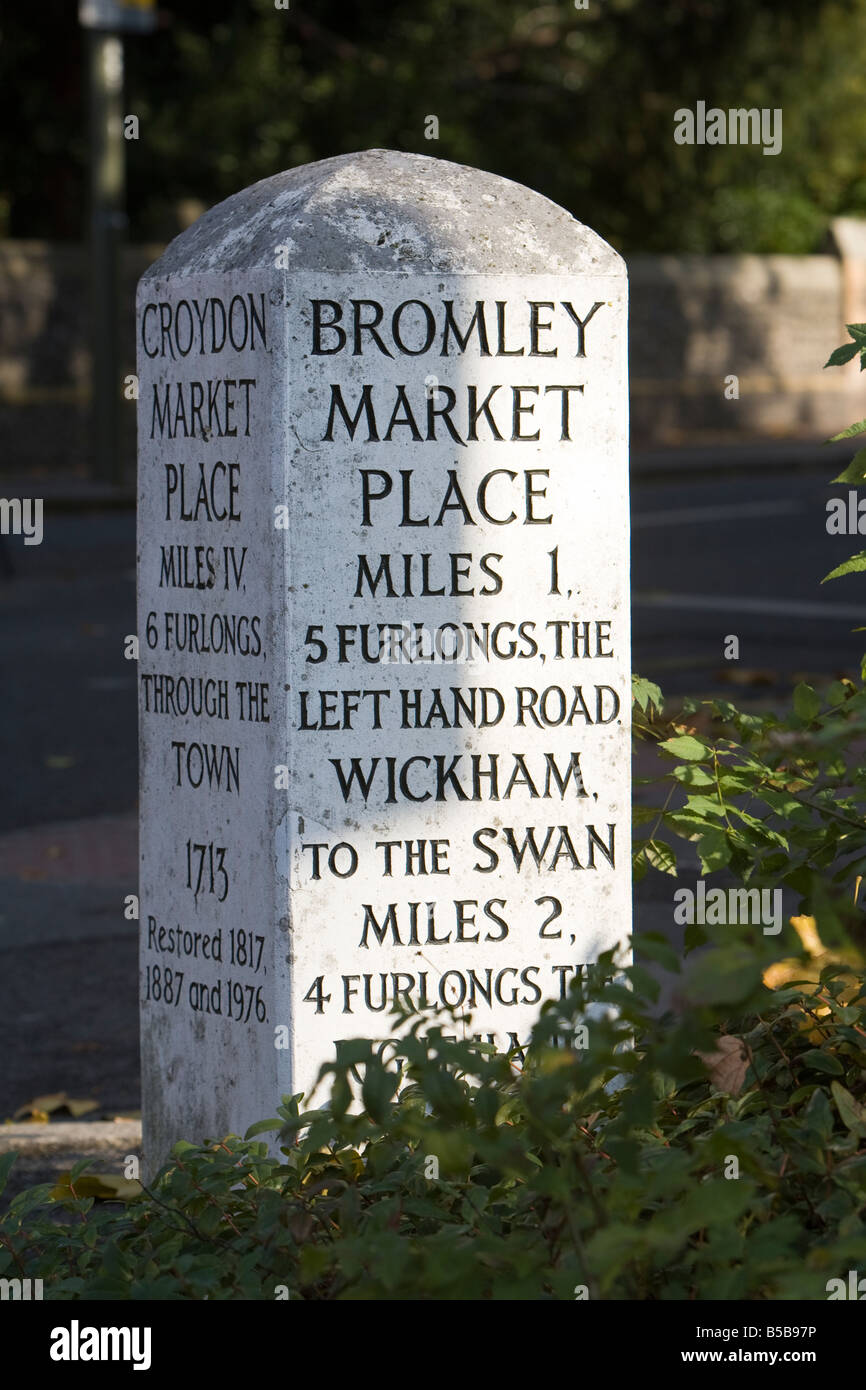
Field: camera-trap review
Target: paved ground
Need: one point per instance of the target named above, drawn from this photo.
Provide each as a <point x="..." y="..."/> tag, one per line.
<point x="45" y="1150"/>
<point x="69" y="1011"/>
<point x="725" y="545"/>
<point x="68" y="852"/>
<point x="743" y="557"/>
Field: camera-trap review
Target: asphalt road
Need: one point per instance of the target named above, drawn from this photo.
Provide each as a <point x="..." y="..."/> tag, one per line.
<point x="742" y="557"/>
<point x="68" y="735"/>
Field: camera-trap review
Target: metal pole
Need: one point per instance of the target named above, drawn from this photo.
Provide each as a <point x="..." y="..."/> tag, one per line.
<point x="107" y="223"/>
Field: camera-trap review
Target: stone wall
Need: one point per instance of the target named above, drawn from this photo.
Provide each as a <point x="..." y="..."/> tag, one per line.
<point x="770" y="321"/>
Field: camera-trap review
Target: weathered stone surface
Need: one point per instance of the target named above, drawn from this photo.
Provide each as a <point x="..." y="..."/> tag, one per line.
<point x="384" y="542"/>
<point x="386" y="211"/>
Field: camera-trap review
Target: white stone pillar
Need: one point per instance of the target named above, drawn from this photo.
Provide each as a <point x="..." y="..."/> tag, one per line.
<point x="383" y="619"/>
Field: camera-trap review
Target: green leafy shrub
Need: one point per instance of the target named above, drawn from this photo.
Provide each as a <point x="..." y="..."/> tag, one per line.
<point x="603" y="1167"/>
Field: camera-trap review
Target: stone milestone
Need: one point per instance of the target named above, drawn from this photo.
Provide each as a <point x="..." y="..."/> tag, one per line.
<point x="383" y="623"/>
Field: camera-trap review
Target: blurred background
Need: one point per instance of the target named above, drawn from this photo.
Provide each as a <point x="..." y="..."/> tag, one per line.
<point x="739" y="262"/>
<point x="744" y="269"/>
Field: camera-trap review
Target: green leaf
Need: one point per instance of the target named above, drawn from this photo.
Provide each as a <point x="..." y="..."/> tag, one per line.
<point x="659" y="949"/>
<point x="784" y="805"/>
<point x="854" y="565"/>
<point x="760" y="827"/>
<point x="660" y="856"/>
<point x="806" y="702"/>
<point x="722" y="976"/>
<point x="694" y="936"/>
<point x="693" y="775"/>
<point x="802" y="1093"/>
<point x="262" y="1127"/>
<point x="822" y="1061"/>
<point x="856" y="470"/>
<point x="210" y="1220"/>
<point x="353" y="1051"/>
<point x="6" y="1161"/>
<point x="685" y="746"/>
<point x="646" y="693"/>
<point x="714" y="851"/>
<point x="688" y="826"/>
<point x="849" y="433"/>
<point x="613" y="1247"/>
<point x="819" y="1114"/>
<point x="840" y="355"/>
<point x="377" y="1092"/>
<point x="702" y="805"/>
<point x="852" y="1114"/>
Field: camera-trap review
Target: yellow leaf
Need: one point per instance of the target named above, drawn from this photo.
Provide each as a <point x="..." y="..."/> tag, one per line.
<point x="556" y="1059"/>
<point x="792" y="971"/>
<point x="44" y="1104"/>
<point x="77" y="1108"/>
<point x="351" y="1163"/>
<point x="104" y="1187"/>
<point x="807" y="930"/>
<point x="42" y="1107"/>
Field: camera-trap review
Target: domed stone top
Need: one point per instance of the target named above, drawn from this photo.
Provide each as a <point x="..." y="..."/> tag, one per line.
<point x="383" y="210"/>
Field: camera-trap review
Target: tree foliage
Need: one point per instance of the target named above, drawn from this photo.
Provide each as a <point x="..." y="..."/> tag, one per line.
<point x="578" y="103"/>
